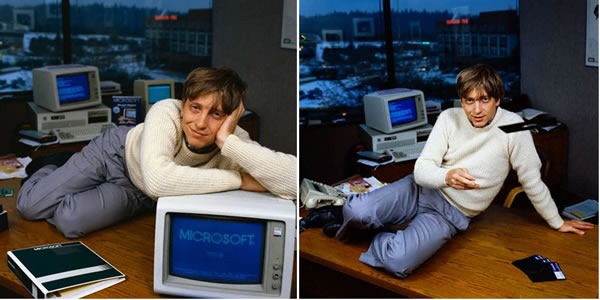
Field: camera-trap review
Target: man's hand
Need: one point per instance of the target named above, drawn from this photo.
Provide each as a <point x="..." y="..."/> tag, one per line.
<point x="229" y="125"/>
<point x="251" y="184"/>
<point x="575" y="226"/>
<point x="460" y="179"/>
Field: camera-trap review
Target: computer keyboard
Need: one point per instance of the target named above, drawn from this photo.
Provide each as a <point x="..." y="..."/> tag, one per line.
<point x="80" y="133"/>
<point x="405" y="153"/>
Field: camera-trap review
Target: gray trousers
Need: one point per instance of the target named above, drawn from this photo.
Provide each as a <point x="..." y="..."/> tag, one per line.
<point x="433" y="221"/>
<point x="90" y="191"/>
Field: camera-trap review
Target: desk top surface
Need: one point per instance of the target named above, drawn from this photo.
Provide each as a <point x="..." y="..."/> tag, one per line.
<point x="478" y="262"/>
<point x="128" y="246"/>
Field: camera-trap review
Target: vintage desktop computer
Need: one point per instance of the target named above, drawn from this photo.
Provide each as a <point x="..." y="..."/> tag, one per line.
<point x="396" y="123"/>
<point x="45" y="120"/>
<point x="233" y="244"/>
<point x="66" y="87"/>
<point x="153" y="91"/>
<point x="67" y="102"/>
<point x="381" y="142"/>
<point x="395" y="110"/>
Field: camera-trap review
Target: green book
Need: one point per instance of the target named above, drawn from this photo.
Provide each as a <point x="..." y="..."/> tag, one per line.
<point x="63" y="270"/>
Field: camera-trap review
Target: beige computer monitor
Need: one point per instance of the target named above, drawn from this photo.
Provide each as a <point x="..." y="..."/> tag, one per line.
<point x="153" y="91"/>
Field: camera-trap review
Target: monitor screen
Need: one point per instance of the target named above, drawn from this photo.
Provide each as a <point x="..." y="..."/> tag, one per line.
<point x="72" y="87"/>
<point x="60" y="88"/>
<point x="210" y="249"/>
<point x="402" y="111"/>
<point x="224" y="245"/>
<point x="158" y="92"/>
<point x="130" y="113"/>
<point x="395" y="110"/>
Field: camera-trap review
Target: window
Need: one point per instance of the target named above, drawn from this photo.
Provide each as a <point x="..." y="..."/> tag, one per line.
<point x="341" y="59"/>
<point x="125" y="39"/>
<point x="351" y="48"/>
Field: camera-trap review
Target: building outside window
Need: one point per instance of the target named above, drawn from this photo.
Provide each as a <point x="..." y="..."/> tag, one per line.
<point x="125" y="39"/>
<point x="351" y="48"/>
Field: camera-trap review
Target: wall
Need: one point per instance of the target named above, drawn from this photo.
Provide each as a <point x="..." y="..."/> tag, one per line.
<point x="556" y="79"/>
<point x="246" y="38"/>
<point x="327" y="153"/>
<point x="15" y="115"/>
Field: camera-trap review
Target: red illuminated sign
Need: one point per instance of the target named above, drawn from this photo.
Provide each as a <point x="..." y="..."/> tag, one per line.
<point x="457" y="21"/>
<point x="165" y="18"/>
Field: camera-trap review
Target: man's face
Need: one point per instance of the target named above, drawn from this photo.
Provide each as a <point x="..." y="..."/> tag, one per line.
<point x="479" y="107"/>
<point x="201" y="119"/>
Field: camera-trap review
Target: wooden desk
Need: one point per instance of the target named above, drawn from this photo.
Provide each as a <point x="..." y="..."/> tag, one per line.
<point x="128" y="246"/>
<point x="474" y="264"/>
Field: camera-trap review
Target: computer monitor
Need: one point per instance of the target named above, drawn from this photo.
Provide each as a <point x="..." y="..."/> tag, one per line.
<point x="395" y="110"/>
<point x="130" y="113"/>
<point x="66" y="87"/>
<point x="153" y="91"/>
<point x="234" y="244"/>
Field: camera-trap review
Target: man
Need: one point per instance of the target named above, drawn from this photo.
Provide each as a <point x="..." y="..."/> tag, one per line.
<point x="188" y="146"/>
<point x="459" y="172"/>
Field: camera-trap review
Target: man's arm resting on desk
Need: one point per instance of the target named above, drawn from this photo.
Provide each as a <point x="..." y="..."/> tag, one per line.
<point x="575" y="226"/>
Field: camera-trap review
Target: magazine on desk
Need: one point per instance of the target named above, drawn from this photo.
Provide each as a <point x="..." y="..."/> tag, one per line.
<point x="13" y="167"/>
<point x="63" y="270"/>
<point x="359" y="185"/>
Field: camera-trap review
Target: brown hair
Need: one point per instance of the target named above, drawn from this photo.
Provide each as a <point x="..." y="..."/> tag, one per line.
<point x="479" y="76"/>
<point x="226" y="83"/>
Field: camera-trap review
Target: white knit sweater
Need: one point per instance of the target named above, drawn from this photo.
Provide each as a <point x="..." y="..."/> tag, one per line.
<point x="160" y="164"/>
<point x="488" y="154"/>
